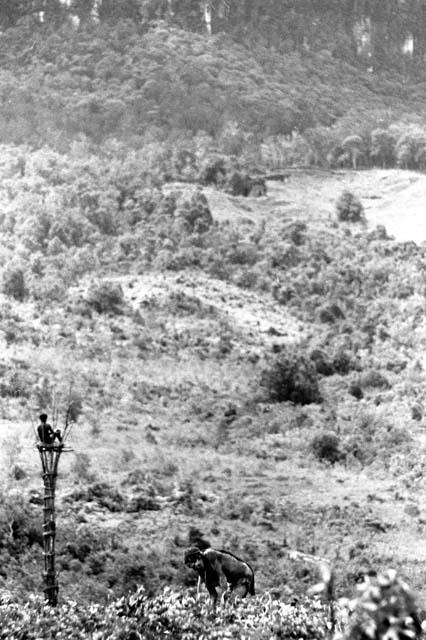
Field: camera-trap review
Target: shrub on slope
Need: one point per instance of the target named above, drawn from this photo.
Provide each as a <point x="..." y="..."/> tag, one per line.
<point x="349" y="208"/>
<point x="292" y="377"/>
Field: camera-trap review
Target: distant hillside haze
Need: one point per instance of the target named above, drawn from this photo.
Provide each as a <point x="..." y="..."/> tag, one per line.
<point x="150" y="73"/>
<point x="275" y="84"/>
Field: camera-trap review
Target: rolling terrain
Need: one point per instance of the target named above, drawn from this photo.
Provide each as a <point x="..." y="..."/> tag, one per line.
<point x="176" y="439"/>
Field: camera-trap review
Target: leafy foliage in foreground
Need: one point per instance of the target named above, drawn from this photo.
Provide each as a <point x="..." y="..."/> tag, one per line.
<point x="168" y="615"/>
<point x="385" y="607"/>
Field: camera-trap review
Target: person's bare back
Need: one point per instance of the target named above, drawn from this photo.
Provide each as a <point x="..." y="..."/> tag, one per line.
<point x="220" y="568"/>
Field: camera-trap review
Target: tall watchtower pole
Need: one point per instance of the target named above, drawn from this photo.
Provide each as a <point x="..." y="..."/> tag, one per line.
<point x="50" y="453"/>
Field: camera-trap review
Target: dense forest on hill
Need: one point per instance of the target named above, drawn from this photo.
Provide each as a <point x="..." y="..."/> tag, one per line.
<point x="350" y="29"/>
<point x="149" y="73"/>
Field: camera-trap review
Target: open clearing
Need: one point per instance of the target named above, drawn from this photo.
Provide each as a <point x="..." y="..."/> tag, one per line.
<point x="391" y="197"/>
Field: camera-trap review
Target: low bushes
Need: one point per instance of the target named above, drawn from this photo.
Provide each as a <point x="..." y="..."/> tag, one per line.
<point x="385" y="606"/>
<point x="369" y="437"/>
<point x="384" y="602"/>
<point x="326" y="446"/>
<point x="193" y="215"/>
<point x="331" y="313"/>
<point x="105" y="297"/>
<point x="168" y="614"/>
<point x="241" y="184"/>
<point x="213" y="171"/>
<point x="375" y="379"/>
<point x="14" y="283"/>
<point x="292" y="377"/>
<point x="335" y="360"/>
<point x="349" y="208"/>
<point x="101" y="493"/>
<point x="16" y="381"/>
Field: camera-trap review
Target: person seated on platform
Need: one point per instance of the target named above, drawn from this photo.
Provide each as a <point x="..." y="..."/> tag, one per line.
<point x="46" y="433"/>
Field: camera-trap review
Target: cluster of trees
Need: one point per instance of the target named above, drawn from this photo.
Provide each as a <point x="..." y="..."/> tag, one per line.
<point x="375" y="143"/>
<point x="401" y="144"/>
<point x="377" y="32"/>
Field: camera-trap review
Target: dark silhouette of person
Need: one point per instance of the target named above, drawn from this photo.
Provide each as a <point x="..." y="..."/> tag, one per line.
<point x="45" y="431"/>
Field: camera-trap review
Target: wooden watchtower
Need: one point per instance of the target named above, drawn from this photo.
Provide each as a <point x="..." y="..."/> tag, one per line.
<point x="50" y="454"/>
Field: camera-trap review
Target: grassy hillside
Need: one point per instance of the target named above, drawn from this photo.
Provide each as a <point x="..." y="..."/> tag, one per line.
<point x="245" y="371"/>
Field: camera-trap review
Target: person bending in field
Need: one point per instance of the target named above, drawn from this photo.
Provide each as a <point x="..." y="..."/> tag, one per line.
<point x="220" y="569"/>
